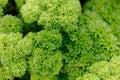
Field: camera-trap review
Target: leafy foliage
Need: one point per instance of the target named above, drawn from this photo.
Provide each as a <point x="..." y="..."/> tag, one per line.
<point x="52" y="14"/>
<point x="59" y="40"/>
<point x="9" y="23"/>
<point x="93" y="41"/>
<point x="109" y="10"/>
<point x="103" y="70"/>
<point x="46" y="58"/>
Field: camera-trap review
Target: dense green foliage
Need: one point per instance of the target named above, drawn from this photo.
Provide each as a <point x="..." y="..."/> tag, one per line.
<point x="9" y="23"/>
<point x="103" y="70"/>
<point x="59" y="40"/>
<point x="109" y="10"/>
